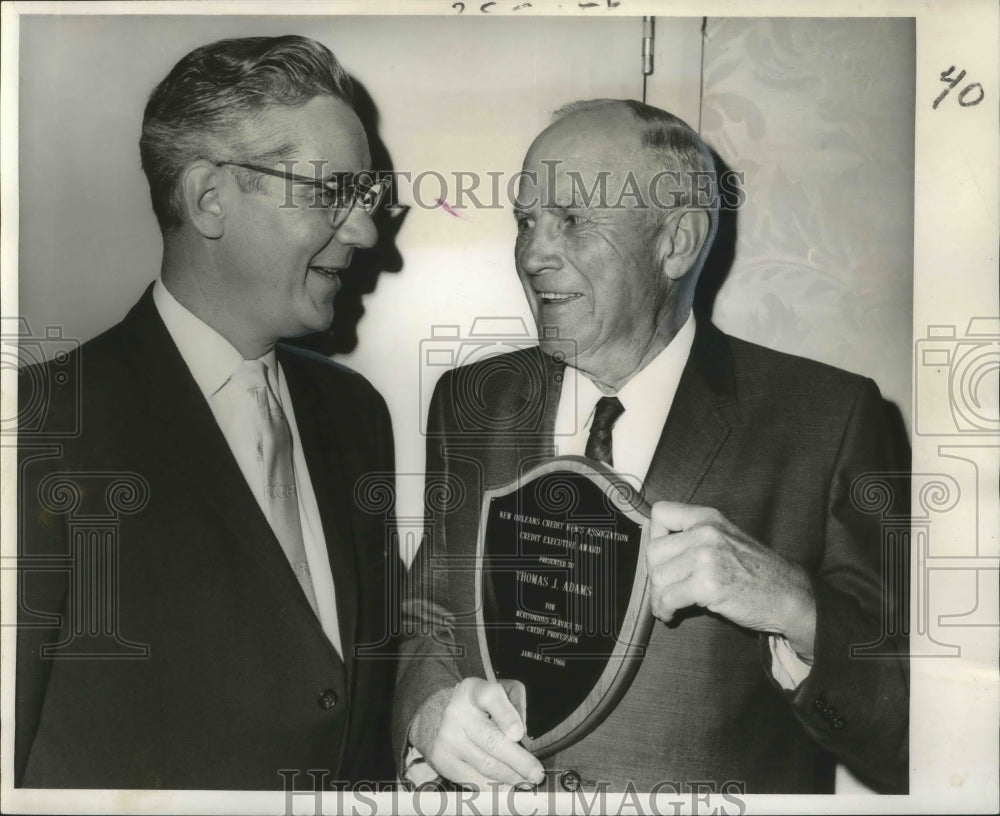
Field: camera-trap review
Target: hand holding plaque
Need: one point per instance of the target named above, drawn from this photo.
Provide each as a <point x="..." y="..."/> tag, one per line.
<point x="562" y="594"/>
<point x="469" y="735"/>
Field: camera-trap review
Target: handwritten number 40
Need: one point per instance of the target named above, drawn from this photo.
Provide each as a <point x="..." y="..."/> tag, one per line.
<point x="968" y="89"/>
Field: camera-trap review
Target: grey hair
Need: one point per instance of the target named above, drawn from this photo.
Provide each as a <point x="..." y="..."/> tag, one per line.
<point x="675" y="147"/>
<point x="202" y="108"/>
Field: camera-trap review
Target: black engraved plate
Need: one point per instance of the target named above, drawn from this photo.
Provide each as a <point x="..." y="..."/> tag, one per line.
<point x="561" y="559"/>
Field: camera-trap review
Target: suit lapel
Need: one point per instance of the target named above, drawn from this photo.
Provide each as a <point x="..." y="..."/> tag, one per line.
<point x="691" y="437"/>
<point x="533" y="400"/>
<point x="194" y="451"/>
<point x="538" y="444"/>
<point x="320" y="428"/>
<point x="695" y="428"/>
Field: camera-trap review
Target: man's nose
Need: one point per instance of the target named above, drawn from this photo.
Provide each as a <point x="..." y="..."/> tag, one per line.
<point x="541" y="251"/>
<point x="358" y="230"/>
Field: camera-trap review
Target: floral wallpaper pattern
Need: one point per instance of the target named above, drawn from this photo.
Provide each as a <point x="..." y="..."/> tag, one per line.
<point x="818" y="115"/>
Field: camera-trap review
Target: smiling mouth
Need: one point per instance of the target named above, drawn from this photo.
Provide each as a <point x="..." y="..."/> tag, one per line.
<point x="331" y="272"/>
<point x="557" y="297"/>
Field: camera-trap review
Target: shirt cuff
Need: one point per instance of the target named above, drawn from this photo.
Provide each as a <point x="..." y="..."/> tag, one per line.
<point x="416" y="770"/>
<point x="787" y="668"/>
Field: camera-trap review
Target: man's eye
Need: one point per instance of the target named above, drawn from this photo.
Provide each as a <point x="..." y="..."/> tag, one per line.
<point x="524" y="224"/>
<point x="327" y="197"/>
<point x="573" y="220"/>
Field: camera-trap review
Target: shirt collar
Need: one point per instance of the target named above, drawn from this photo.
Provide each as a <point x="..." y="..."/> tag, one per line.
<point x="208" y="355"/>
<point x="656" y="383"/>
<point x="649" y="388"/>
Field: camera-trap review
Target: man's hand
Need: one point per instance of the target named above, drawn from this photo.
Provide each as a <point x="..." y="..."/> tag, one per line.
<point x="696" y="556"/>
<point x="469" y="734"/>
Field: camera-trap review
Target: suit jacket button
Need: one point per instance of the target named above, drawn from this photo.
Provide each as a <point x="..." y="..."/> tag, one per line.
<point x="819" y="703"/>
<point x="837" y="724"/>
<point x="570" y="780"/>
<point x="830" y="714"/>
<point x="328" y="699"/>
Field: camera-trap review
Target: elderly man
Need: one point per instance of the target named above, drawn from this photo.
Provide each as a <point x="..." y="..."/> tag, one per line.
<point x="220" y="647"/>
<point x="763" y="574"/>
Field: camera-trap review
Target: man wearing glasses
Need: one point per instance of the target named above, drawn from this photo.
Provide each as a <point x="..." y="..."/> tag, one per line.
<point x="248" y="588"/>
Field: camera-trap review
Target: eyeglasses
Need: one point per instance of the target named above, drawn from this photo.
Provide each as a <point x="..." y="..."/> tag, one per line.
<point x="338" y="195"/>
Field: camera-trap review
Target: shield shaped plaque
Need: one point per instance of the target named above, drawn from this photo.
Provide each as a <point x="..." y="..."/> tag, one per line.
<point x="562" y="594"/>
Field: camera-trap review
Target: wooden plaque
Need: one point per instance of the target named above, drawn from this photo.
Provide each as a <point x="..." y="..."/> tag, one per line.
<point x="562" y="594"/>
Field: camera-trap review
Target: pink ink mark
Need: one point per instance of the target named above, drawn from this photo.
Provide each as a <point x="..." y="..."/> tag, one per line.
<point x="451" y="210"/>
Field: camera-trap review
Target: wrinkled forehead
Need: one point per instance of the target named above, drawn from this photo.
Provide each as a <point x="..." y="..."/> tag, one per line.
<point x="583" y="156"/>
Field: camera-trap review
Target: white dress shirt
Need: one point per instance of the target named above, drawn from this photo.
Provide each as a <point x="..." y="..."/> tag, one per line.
<point x="647" y="399"/>
<point x="212" y="360"/>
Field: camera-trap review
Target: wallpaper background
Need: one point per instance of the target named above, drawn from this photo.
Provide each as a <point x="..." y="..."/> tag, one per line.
<point x="818" y="113"/>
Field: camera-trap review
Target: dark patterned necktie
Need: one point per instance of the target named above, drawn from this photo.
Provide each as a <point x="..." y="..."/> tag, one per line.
<point x="605" y="416"/>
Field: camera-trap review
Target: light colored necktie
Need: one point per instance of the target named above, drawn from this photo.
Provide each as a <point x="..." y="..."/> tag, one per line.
<point x="274" y="453"/>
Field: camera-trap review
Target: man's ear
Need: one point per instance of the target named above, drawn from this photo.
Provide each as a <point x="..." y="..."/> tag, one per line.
<point x="201" y="186"/>
<point x="682" y="236"/>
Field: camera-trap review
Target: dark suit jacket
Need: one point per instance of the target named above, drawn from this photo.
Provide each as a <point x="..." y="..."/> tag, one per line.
<point x="238" y="680"/>
<point x="772" y="441"/>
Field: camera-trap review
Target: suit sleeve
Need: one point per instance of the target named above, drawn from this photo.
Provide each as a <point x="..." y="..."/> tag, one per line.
<point x="41" y="589"/>
<point x="855" y="701"/>
<point x="429" y="649"/>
